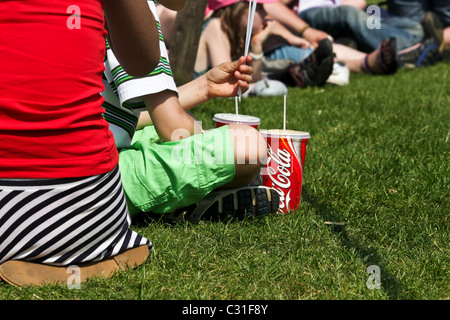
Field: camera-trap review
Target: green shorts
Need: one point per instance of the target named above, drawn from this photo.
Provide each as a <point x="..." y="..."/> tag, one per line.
<point x="163" y="176"/>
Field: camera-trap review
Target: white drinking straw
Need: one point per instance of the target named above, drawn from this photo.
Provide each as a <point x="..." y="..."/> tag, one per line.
<point x="251" y="17"/>
<point x="237" y="105"/>
<point x="284" y="114"/>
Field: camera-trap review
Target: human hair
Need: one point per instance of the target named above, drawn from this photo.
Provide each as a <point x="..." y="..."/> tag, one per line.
<point x="230" y="17"/>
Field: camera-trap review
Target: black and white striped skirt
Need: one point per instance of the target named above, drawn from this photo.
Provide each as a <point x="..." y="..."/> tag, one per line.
<point x="65" y="221"/>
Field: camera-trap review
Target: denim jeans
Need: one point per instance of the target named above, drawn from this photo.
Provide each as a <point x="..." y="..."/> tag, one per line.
<point x="351" y="22"/>
<point x="414" y="9"/>
<point x="290" y="52"/>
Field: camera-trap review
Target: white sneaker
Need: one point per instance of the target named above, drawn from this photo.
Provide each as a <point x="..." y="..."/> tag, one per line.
<point x="266" y="88"/>
<point x="340" y="75"/>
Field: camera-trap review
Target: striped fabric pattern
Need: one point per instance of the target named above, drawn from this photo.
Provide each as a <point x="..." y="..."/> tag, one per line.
<point x="65" y="221"/>
<point x="118" y="116"/>
<point x="123" y="93"/>
<point x="120" y="76"/>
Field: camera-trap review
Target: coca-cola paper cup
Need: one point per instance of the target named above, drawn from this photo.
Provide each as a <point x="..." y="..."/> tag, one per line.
<point x="286" y="151"/>
<point x="222" y="119"/>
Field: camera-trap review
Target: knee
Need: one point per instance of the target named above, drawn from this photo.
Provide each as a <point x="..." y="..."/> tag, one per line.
<point x="249" y="145"/>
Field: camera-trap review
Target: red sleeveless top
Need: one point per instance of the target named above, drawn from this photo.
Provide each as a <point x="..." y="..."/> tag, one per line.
<point x="51" y="64"/>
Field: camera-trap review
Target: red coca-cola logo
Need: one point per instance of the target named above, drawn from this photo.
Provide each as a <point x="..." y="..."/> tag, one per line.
<point x="280" y="176"/>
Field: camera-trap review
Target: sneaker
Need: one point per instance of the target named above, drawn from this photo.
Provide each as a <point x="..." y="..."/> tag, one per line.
<point x="269" y="88"/>
<point x="315" y="69"/>
<point x="266" y="88"/>
<point x="340" y="75"/>
<point x="275" y="67"/>
<point x="326" y="57"/>
<point x="425" y="53"/>
<point x="433" y="28"/>
<point x="238" y="203"/>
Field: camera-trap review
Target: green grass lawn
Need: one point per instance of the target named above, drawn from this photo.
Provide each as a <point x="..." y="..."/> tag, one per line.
<point x="377" y="161"/>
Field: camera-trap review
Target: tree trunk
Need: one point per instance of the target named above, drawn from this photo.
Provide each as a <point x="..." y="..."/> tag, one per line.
<point x="185" y="37"/>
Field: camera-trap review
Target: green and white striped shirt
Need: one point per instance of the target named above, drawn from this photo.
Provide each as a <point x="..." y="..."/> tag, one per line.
<point x="123" y="93"/>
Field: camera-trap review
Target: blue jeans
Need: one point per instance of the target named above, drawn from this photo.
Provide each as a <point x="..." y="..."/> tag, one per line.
<point x="290" y="52"/>
<point x="414" y="9"/>
<point x="351" y="22"/>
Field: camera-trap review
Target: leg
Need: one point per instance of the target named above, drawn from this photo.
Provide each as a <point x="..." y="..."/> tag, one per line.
<point x="408" y="32"/>
<point x="350" y="22"/>
<point x="446" y="51"/>
<point x="447" y="36"/>
<point x="442" y="9"/>
<point x="290" y="52"/>
<point x="250" y="153"/>
<point x="383" y="60"/>
<point x="407" y="8"/>
<point x="166" y="178"/>
<point x="163" y="176"/>
<point x="351" y="57"/>
<point x="380" y="61"/>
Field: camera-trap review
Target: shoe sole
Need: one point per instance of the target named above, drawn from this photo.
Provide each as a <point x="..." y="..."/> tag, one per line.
<point x="241" y="203"/>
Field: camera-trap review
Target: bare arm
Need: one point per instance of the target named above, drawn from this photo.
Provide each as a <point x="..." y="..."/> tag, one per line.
<point x="133" y="35"/>
<point x="291" y="38"/>
<point x="217" y="50"/>
<point x="176" y="5"/>
<point x="361" y="4"/>
<point x="287" y="17"/>
<point x="171" y="121"/>
<point x="223" y="80"/>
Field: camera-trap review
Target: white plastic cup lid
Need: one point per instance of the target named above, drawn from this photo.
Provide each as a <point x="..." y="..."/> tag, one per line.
<point x="236" y="118"/>
<point x="285" y="133"/>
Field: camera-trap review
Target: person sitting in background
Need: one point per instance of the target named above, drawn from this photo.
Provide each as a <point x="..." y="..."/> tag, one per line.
<point x="223" y="37"/>
<point x="433" y="15"/>
<point x="365" y="30"/>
